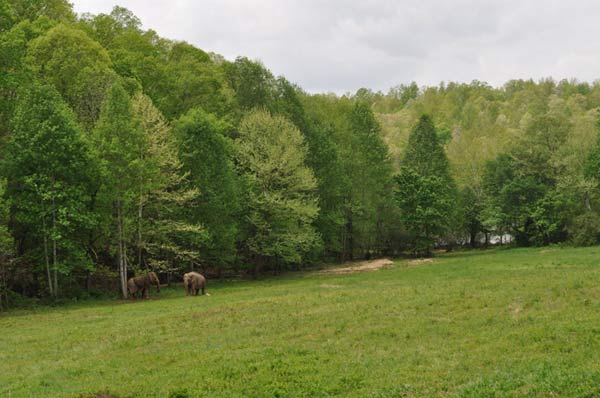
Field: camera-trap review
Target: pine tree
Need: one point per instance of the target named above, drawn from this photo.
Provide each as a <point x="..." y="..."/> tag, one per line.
<point x="425" y="191"/>
<point x="370" y="174"/>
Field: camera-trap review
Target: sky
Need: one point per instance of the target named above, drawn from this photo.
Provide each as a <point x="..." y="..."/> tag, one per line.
<point x="342" y="45"/>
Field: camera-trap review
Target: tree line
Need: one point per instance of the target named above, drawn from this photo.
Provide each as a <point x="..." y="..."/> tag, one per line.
<point x="122" y="152"/>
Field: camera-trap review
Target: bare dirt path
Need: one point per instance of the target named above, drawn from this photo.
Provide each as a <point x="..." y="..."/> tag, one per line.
<point x="356" y="266"/>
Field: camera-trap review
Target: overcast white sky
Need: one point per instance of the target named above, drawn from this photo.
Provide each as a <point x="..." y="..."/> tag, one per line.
<point x="342" y="45"/>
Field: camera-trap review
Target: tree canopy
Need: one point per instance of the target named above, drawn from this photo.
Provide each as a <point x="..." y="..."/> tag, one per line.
<point x="123" y="152"/>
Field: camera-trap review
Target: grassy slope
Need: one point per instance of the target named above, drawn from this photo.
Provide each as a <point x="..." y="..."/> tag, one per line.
<point x="518" y="323"/>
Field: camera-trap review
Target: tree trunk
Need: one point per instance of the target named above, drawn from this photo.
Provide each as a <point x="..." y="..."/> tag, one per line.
<point x="350" y="237"/>
<point x="140" y="211"/>
<point x="3" y="286"/>
<point x="122" y="269"/>
<point x="54" y="259"/>
<point x="588" y="204"/>
<point x="124" y="260"/>
<point x="46" y="257"/>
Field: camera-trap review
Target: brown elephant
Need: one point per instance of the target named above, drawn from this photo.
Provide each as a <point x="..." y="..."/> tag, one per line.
<point x="193" y="282"/>
<point x="142" y="285"/>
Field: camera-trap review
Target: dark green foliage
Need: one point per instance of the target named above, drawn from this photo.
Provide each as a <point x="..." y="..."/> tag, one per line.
<point x="370" y="176"/>
<point x="50" y="173"/>
<point x="311" y="177"/>
<point x="426" y="205"/>
<point x="7" y="17"/>
<point x="251" y="82"/>
<point x="206" y="150"/>
<point x="425" y="191"/>
<point x="592" y="162"/>
<point x="191" y="80"/>
<point x="585" y="230"/>
<point x="424" y="152"/>
<point x="471" y="214"/>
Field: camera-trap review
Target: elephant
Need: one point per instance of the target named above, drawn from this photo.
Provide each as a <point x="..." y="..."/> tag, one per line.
<point x="142" y="285"/>
<point x="193" y="282"/>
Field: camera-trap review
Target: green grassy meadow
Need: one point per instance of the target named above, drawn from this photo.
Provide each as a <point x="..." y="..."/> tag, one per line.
<point x="502" y="323"/>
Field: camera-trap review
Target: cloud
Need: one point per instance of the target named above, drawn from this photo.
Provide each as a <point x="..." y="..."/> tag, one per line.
<point x="342" y="45"/>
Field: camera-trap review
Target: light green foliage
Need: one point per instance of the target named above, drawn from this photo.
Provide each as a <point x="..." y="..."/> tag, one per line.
<point x="76" y="65"/>
<point x="443" y="330"/>
<point x="58" y="10"/>
<point x="192" y="80"/>
<point x="50" y="173"/>
<point x="118" y="141"/>
<point x="162" y="225"/>
<point x="15" y="74"/>
<point x="282" y="204"/>
<point x="323" y="158"/>
<point x="520" y="155"/>
<point x="206" y="152"/>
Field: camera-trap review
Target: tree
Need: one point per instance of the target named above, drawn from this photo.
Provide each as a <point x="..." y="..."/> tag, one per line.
<point x="192" y="80"/>
<point x="425" y="191"/>
<point x="206" y="152"/>
<point x="15" y="73"/>
<point x="282" y="204"/>
<point x="251" y="82"/>
<point x="118" y="139"/>
<point x="163" y="228"/>
<point x="58" y="10"/>
<point x="50" y="172"/>
<point x="6" y="16"/>
<point x="6" y="245"/>
<point x="324" y="160"/>
<point x="471" y="208"/>
<point x="370" y="175"/>
<point x="78" y="67"/>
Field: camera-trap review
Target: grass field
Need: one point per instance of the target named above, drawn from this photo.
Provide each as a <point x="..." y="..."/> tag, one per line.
<point x="510" y="323"/>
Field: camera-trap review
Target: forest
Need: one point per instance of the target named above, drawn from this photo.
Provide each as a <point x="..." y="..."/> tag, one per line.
<point x="122" y="151"/>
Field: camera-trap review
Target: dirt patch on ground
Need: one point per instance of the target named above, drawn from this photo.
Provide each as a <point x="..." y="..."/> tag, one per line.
<point x="361" y="266"/>
<point x="420" y="261"/>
